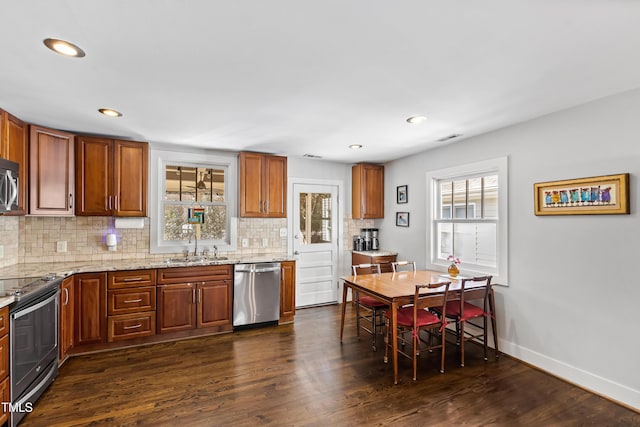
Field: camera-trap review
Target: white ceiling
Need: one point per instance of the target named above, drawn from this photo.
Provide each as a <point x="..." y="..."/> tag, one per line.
<point x="312" y="76"/>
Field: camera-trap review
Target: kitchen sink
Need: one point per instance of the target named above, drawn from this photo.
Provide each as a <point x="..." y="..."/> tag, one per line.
<point x="195" y="260"/>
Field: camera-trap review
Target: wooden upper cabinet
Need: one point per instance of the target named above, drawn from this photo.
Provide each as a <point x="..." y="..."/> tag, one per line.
<point x="367" y="197"/>
<point x="111" y="177"/>
<point x="51" y="172"/>
<point x="130" y="166"/>
<point x="263" y="186"/>
<point x="13" y="146"/>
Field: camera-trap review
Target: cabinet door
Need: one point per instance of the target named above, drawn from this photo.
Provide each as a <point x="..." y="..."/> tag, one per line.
<point x="5" y="394"/>
<point x="94" y="178"/>
<point x="90" y="308"/>
<point x="130" y="164"/>
<point x="51" y="172"/>
<point x="287" y="291"/>
<point x="14" y="147"/>
<point x="176" y="307"/>
<point x="214" y="303"/>
<point x="275" y="186"/>
<point x="66" y="317"/>
<point x="251" y="179"/>
<point x="367" y="196"/>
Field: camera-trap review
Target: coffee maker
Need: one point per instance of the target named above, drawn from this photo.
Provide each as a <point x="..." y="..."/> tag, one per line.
<point x="366" y="238"/>
<point x="375" y="243"/>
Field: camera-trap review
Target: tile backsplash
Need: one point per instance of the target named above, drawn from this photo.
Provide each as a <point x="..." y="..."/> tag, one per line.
<point x="37" y="239"/>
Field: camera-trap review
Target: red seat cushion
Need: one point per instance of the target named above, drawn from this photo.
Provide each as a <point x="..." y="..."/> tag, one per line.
<point x="368" y="301"/>
<point x="470" y="310"/>
<point x="405" y="317"/>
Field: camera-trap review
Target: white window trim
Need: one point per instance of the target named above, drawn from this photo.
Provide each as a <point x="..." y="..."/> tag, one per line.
<point x="499" y="165"/>
<point x="161" y="157"/>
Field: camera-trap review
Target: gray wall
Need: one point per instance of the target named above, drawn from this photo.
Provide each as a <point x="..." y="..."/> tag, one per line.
<point x="571" y="304"/>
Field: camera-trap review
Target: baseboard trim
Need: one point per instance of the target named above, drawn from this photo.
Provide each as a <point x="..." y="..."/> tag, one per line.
<point x="618" y="393"/>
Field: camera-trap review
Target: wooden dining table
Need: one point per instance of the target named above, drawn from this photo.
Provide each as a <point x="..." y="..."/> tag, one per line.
<point x="397" y="289"/>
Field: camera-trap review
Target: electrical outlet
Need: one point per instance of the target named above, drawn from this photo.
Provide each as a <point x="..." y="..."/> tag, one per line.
<point x="245" y="243"/>
<point x="61" y="246"/>
<point x="265" y="242"/>
<point x="283" y="232"/>
<point x="1" y="251"/>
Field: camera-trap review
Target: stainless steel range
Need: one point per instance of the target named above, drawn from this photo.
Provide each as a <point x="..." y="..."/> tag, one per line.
<point x="33" y="337"/>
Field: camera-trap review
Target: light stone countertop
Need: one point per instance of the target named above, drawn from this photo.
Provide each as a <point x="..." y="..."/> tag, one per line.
<point x="68" y="268"/>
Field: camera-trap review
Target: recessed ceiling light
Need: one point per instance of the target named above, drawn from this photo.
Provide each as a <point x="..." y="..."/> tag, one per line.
<point x="355" y="146"/>
<point x="109" y="112"/>
<point x="416" y="119"/>
<point x="64" y="48"/>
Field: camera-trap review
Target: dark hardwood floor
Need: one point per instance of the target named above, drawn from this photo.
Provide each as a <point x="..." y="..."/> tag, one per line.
<point x="300" y="375"/>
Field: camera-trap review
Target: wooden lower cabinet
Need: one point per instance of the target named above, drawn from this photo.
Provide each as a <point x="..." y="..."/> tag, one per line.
<point x="5" y="385"/>
<point x="384" y="260"/>
<point x="194" y="297"/>
<point x="90" y="308"/>
<point x="131" y="304"/>
<point x="5" y="394"/>
<point x="214" y="303"/>
<point x="287" y="291"/>
<point x="176" y="308"/>
<point x="65" y="337"/>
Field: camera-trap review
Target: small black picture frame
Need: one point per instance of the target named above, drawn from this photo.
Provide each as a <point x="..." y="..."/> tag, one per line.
<point x="402" y="194"/>
<point x="402" y="219"/>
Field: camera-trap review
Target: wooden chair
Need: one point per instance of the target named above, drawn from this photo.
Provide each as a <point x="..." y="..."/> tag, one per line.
<point x="372" y="307"/>
<point x="415" y="318"/>
<point x="463" y="312"/>
<point x="403" y="265"/>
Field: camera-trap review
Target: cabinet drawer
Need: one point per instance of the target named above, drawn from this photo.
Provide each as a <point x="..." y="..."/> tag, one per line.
<point x="193" y="274"/>
<point x="132" y="300"/>
<point x="132" y="278"/>
<point x="4" y="320"/>
<point x="128" y="326"/>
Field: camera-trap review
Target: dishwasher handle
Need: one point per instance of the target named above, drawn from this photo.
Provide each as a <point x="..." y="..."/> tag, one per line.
<point x="257" y="270"/>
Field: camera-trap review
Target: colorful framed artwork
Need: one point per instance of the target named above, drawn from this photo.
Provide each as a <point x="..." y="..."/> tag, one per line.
<point x="598" y="195"/>
<point x="402" y="219"/>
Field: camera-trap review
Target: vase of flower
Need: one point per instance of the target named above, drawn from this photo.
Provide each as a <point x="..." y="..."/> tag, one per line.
<point x="453" y="269"/>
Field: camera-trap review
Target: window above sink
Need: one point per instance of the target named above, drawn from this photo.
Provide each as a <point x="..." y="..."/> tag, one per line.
<point x="182" y="181"/>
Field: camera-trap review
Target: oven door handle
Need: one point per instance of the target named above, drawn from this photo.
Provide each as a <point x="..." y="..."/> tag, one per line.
<point x="18" y="314"/>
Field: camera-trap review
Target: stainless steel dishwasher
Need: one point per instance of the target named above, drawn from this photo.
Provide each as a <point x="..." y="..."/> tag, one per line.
<point x="256" y="294"/>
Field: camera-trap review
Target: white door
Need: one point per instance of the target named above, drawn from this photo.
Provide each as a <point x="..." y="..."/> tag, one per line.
<point x="315" y="243"/>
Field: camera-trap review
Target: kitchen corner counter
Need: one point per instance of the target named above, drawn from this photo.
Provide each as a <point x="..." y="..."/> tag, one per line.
<point x="68" y="268"/>
<point x="376" y="253"/>
<point x="5" y="301"/>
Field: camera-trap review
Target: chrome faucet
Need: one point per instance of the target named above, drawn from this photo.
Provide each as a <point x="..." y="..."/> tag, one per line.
<point x="215" y="251"/>
<point x="195" y="237"/>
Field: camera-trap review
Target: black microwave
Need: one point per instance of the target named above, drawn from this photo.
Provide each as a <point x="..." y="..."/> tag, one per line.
<point x="8" y="185"/>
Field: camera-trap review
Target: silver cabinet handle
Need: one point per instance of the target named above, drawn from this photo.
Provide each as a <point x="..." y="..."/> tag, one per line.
<point x="66" y="295"/>
<point x="70" y="201"/>
<point x="115" y="203"/>
<point x="133" y="327"/>
<point x="199" y="295"/>
<point x="133" y="300"/>
<point x="194" y="296"/>
<point x="132" y="279"/>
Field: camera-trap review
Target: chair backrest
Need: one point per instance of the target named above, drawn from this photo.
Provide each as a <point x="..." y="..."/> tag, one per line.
<point x="422" y="300"/>
<point x="365" y="269"/>
<point x="403" y="265"/>
<point x="471" y="284"/>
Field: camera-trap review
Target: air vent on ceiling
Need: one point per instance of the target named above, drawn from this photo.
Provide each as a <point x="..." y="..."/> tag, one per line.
<point x="312" y="156"/>
<point x="447" y="138"/>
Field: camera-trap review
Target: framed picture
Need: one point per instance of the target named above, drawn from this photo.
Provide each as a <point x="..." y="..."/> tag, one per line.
<point x="598" y="195"/>
<point x="401" y="193"/>
<point x="402" y="219"/>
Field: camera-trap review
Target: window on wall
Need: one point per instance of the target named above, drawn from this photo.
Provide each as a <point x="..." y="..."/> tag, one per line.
<point x="194" y="198"/>
<point x="188" y="187"/>
<point x="468" y="219"/>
